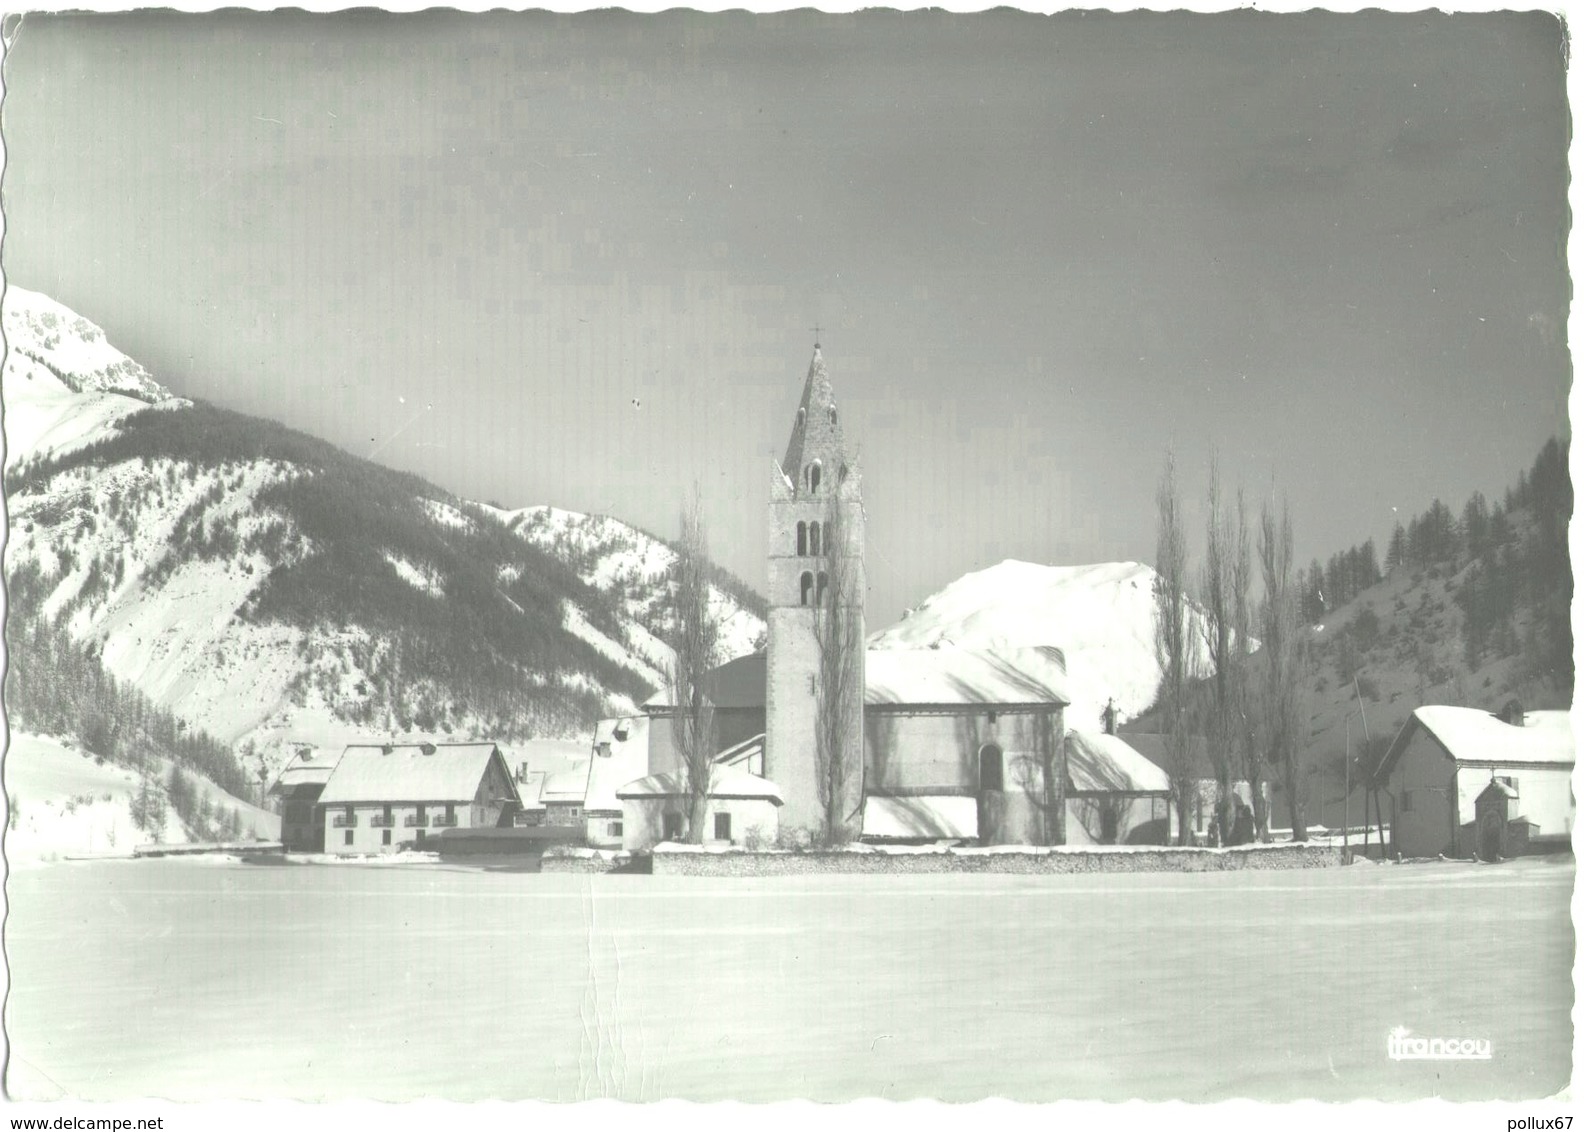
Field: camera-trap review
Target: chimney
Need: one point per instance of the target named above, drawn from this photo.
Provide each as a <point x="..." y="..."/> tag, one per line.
<point x="1512" y="713"/>
<point x="1108" y="718"/>
<point x="427" y="748"/>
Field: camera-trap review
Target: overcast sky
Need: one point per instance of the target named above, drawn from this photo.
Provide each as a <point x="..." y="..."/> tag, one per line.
<point x="577" y="259"/>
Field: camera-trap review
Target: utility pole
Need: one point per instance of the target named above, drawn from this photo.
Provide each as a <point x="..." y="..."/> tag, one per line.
<point x="1364" y="719"/>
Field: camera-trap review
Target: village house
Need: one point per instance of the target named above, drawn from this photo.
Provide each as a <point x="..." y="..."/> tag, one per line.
<point x="381" y="798"/>
<point x="620" y="756"/>
<point x="1444" y="758"/>
<point x="561" y="796"/>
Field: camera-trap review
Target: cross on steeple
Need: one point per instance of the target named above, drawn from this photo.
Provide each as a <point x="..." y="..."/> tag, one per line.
<point x="816" y="336"/>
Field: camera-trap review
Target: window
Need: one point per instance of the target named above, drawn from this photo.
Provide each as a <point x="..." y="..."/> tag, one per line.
<point x="814" y="539"/>
<point x="673" y="826"/>
<point x="811" y="477"/>
<point x="805" y="586"/>
<point x="990" y="767"/>
<point x="722" y="827"/>
<point x="833" y="414"/>
<point x="614" y="829"/>
<point x="1407" y="801"/>
<point x="348" y="840"/>
<point x="819" y="598"/>
<point x="385" y="837"/>
<point x="802" y="539"/>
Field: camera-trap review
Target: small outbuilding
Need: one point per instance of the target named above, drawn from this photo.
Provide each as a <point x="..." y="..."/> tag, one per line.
<point x="1115" y="796"/>
<point x="742" y="809"/>
<point x="1428" y="787"/>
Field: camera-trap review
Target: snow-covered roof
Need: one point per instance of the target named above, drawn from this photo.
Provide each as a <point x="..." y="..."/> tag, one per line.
<point x="306" y="770"/>
<point x="965" y="676"/>
<point x="530" y="789"/>
<point x="616" y="761"/>
<point x="1477" y="738"/>
<point x="935" y="817"/>
<point x="567" y="787"/>
<point x="725" y="782"/>
<point x="416" y="772"/>
<point x="1096" y="761"/>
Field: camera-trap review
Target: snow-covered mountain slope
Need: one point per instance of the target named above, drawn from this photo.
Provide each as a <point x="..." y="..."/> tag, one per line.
<point x="65" y="803"/>
<point x="65" y="385"/>
<point x="1102" y="617"/>
<point x="273" y="590"/>
<point x="632" y="566"/>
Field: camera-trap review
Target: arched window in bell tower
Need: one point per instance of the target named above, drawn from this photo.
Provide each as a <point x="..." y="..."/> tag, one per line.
<point x="833" y="414"/>
<point x="814" y="539"/>
<point x="802" y="540"/>
<point x="805" y="587"/>
<point x="819" y="597"/>
<point x="811" y="477"/>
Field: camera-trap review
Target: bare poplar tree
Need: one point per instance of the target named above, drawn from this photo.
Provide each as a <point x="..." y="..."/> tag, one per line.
<point x="1174" y="645"/>
<point x="694" y="637"/>
<point x="1216" y="596"/>
<point x="1245" y="715"/>
<point x="838" y="633"/>
<point x="1282" y="672"/>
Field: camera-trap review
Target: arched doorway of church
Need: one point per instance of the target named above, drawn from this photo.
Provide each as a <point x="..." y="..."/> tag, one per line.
<point x="991" y="775"/>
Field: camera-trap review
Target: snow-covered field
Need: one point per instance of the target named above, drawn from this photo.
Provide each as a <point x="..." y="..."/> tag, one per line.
<point x="174" y="979"/>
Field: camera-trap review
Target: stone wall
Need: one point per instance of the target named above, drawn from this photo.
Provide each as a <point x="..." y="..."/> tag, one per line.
<point x="679" y="861"/>
<point x="577" y="860"/>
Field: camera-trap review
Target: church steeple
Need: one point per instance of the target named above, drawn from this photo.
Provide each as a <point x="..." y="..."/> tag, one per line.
<point x="816" y="593"/>
<point x="815" y="452"/>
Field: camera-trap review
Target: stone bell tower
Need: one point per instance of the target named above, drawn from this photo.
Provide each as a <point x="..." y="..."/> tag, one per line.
<point x="815" y="665"/>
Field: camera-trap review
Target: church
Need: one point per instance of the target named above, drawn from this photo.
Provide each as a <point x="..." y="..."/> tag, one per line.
<point x="825" y="741"/>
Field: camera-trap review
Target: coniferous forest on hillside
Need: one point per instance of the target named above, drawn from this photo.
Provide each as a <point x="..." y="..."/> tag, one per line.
<point x="1504" y="566"/>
